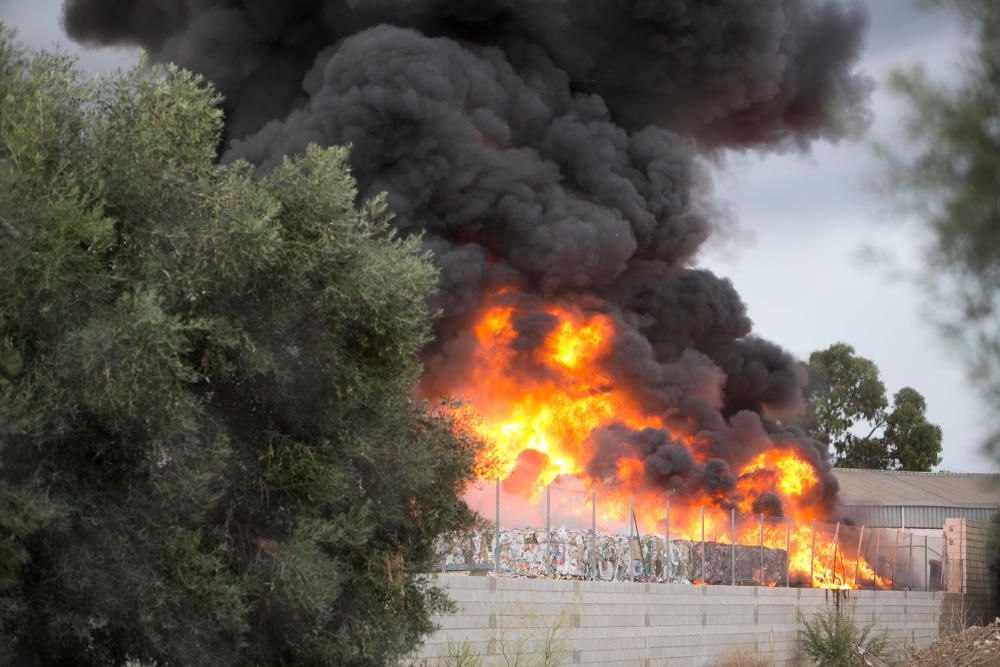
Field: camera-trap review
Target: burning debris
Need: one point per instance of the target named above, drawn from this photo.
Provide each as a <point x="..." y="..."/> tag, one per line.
<point x="549" y="153"/>
<point x="576" y="554"/>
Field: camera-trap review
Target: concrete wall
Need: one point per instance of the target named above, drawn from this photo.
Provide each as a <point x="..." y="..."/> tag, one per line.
<point x="617" y="623"/>
<point x="968" y="554"/>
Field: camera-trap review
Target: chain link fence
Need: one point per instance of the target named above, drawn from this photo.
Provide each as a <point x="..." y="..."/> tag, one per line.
<point x="565" y="530"/>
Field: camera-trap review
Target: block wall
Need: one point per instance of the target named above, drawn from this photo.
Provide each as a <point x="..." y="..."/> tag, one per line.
<point x="967" y="558"/>
<point x="618" y="623"/>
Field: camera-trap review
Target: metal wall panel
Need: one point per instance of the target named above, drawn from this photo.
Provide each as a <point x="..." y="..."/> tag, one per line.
<point x="889" y="516"/>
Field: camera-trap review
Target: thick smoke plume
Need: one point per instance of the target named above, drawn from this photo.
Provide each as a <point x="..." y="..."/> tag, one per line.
<point x="551" y="146"/>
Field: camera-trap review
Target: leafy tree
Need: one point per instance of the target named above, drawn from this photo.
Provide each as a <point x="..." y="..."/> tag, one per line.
<point x="844" y="390"/>
<point x="209" y="449"/>
<point x="911" y="441"/>
<point x="950" y="173"/>
<point x="847" y="410"/>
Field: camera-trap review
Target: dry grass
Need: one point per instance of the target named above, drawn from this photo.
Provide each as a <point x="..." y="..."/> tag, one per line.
<point x="974" y="647"/>
<point x="743" y="658"/>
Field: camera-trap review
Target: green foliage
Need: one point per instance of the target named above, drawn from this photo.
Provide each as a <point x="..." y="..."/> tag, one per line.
<point x="831" y="639"/>
<point x="462" y="654"/>
<point x="209" y="449"/>
<point x="845" y="397"/>
<point x="19" y="518"/>
<point x="843" y="389"/>
<point x="553" y="650"/>
<point x="912" y="441"/>
<point x="547" y="648"/>
<point x="949" y="173"/>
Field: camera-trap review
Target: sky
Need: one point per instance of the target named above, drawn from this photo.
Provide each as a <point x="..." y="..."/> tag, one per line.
<point x="805" y="228"/>
<point x="809" y="226"/>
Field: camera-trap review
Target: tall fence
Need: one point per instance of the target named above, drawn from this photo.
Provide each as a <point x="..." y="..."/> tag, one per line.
<point x="566" y="531"/>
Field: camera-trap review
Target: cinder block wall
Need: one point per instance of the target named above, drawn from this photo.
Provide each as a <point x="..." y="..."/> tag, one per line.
<point x="968" y="558"/>
<point x="615" y="623"/>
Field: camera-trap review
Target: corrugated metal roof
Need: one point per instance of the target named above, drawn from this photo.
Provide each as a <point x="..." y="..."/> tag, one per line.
<point x="911" y="516"/>
<point x="917" y="489"/>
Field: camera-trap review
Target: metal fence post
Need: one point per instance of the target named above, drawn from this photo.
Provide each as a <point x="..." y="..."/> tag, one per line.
<point x="732" y="546"/>
<point x="788" y="551"/>
<point x="857" y="562"/>
<point x="945" y="567"/>
<point x="833" y="554"/>
<point x="909" y="565"/>
<point x="878" y="538"/>
<point x="812" y="553"/>
<point x="895" y="552"/>
<point x="593" y="532"/>
<point x="760" y="579"/>
<point x="496" y="546"/>
<point x="631" y="520"/>
<point x="670" y="557"/>
<point x="702" y="544"/>
<point x="548" y="529"/>
<point x="927" y="573"/>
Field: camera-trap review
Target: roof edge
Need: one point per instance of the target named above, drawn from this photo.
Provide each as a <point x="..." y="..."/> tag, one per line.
<point x="943" y="473"/>
<point x="945" y="505"/>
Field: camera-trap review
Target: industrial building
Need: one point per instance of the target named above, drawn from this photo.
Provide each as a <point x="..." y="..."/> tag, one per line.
<point x="952" y="512"/>
<point x="916" y="500"/>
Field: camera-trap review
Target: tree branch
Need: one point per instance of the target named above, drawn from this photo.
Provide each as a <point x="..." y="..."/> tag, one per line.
<point x="878" y="424"/>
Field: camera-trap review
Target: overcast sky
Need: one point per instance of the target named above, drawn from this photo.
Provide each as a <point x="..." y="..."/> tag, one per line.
<point x="811" y="220"/>
<point x="804" y="223"/>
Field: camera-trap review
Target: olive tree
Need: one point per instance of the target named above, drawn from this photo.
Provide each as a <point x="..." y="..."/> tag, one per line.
<point x="210" y="453"/>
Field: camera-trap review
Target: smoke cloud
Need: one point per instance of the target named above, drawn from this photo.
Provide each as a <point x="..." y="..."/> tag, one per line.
<point x="552" y="146"/>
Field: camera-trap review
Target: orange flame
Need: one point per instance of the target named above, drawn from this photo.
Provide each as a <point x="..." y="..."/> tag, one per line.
<point x="536" y="408"/>
<point x="552" y="411"/>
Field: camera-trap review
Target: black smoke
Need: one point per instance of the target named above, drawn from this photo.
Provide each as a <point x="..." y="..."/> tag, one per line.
<point x="553" y="146"/>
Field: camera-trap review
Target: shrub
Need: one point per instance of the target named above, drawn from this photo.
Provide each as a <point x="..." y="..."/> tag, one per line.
<point x="547" y="649"/>
<point x="462" y="654"/>
<point x="831" y="639"/>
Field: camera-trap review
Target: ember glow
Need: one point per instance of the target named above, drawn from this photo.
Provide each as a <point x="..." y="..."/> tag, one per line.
<point x="538" y="399"/>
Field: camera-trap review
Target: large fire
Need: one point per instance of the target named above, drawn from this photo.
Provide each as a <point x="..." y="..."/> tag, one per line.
<point x="536" y="407"/>
<point x="550" y="412"/>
